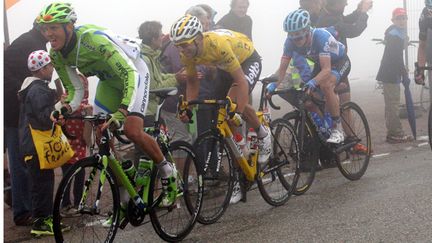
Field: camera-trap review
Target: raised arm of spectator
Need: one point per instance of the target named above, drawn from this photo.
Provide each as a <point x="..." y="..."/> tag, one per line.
<point x="352" y="25"/>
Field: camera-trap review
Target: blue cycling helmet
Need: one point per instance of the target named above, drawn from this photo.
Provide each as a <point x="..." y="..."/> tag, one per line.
<point x="428" y="3"/>
<point x="298" y="20"/>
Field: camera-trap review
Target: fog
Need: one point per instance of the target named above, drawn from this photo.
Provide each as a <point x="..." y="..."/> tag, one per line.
<point x="125" y="16"/>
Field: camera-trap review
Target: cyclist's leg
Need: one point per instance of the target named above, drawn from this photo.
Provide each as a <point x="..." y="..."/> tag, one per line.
<point x="340" y="72"/>
<point x="343" y="90"/>
<point x="252" y="69"/>
<point x="344" y="93"/>
<point x="133" y="129"/>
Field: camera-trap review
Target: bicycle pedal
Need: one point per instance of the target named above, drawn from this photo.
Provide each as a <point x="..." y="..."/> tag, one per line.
<point x="123" y="224"/>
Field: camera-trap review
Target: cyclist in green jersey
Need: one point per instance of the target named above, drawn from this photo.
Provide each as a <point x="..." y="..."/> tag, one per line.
<point x="123" y="89"/>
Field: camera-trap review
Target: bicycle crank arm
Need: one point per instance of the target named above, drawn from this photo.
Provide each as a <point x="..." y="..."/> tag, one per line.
<point x="346" y="146"/>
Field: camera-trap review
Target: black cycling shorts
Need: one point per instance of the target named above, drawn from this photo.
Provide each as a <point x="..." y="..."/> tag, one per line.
<point x="251" y="68"/>
<point x="341" y="70"/>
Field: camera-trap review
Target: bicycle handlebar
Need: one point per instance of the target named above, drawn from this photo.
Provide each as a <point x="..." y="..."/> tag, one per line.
<point x="97" y="120"/>
<point x="276" y="92"/>
<point x="227" y="102"/>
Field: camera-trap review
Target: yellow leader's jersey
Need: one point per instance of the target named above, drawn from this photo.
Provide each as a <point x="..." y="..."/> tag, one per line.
<point x="222" y="48"/>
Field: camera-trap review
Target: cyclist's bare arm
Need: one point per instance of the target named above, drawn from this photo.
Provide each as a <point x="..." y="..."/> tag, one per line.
<point x="192" y="84"/>
<point x="284" y="63"/>
<point x="239" y="91"/>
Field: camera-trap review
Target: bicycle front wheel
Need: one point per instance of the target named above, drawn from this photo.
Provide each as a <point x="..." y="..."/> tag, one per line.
<point x="218" y="175"/>
<point x="309" y="155"/>
<point x="85" y="205"/>
<point x="354" y="159"/>
<point x="277" y="180"/>
<point x="174" y="223"/>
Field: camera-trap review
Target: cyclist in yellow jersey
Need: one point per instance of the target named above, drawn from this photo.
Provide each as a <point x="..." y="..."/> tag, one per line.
<point x="238" y="68"/>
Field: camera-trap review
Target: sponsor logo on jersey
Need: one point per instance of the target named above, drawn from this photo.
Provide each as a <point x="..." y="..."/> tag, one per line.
<point x="145" y="96"/>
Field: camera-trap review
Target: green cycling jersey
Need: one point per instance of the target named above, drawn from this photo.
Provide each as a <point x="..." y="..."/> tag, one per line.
<point x="95" y="53"/>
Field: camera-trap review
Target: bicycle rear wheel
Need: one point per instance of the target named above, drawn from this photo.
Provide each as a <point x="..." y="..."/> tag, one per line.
<point x="310" y="155"/>
<point x="216" y="165"/>
<point x="354" y="159"/>
<point x="277" y="180"/>
<point x="174" y="223"/>
<point x="87" y="215"/>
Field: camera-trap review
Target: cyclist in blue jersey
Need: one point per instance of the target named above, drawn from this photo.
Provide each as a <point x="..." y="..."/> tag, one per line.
<point x="331" y="62"/>
<point x="425" y="24"/>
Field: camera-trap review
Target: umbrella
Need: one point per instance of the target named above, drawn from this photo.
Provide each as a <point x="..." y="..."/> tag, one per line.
<point x="409" y="105"/>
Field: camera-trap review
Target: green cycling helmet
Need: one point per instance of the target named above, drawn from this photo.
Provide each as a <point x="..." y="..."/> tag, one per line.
<point x="57" y="13"/>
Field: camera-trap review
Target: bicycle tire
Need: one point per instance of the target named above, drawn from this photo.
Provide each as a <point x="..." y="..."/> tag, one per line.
<point x="309" y="158"/>
<point x="79" y="220"/>
<point x="173" y="224"/>
<point x="278" y="179"/>
<point x="218" y="178"/>
<point x="360" y="130"/>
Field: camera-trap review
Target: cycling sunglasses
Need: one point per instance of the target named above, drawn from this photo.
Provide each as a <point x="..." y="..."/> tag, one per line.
<point x="298" y="35"/>
<point x="184" y="43"/>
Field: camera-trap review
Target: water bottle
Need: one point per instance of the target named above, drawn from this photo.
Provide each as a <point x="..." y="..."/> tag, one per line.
<point x="240" y="139"/>
<point x="129" y="169"/>
<point x="317" y="120"/>
<point x="236" y="120"/>
<point x="322" y="124"/>
<point x="252" y="141"/>
<point x="328" y="121"/>
<point x="267" y="115"/>
<point x="143" y="174"/>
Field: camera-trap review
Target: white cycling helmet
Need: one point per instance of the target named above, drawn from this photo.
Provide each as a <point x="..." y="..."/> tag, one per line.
<point x="185" y="29"/>
<point x="37" y="60"/>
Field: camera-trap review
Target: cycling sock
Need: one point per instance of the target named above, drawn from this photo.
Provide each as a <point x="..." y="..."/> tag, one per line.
<point x="165" y="168"/>
<point x="261" y="131"/>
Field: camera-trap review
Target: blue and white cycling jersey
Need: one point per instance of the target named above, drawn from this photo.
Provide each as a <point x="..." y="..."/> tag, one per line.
<point x="323" y="44"/>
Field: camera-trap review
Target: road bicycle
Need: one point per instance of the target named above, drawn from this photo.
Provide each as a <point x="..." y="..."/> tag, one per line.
<point x="351" y="156"/>
<point x="98" y="214"/>
<point x="218" y="151"/>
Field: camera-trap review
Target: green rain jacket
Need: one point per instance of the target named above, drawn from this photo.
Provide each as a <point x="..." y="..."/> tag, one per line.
<point x="158" y="79"/>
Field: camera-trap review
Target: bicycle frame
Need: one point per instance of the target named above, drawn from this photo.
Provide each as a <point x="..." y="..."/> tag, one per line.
<point x="249" y="168"/>
<point x="225" y="108"/>
<point x="107" y="159"/>
<point x="305" y="115"/>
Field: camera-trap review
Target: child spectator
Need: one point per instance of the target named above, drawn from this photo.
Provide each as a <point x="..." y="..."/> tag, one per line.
<point x="391" y="72"/>
<point x="37" y="103"/>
